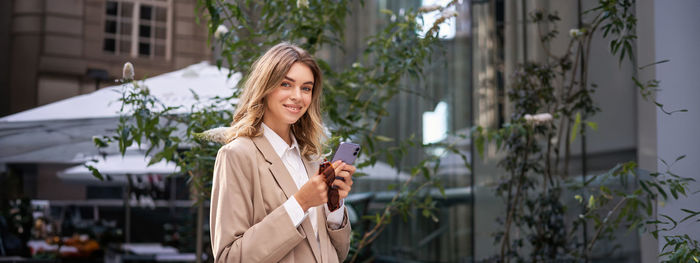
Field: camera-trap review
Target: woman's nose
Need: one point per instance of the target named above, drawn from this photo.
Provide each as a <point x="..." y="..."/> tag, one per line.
<point x="296" y="93"/>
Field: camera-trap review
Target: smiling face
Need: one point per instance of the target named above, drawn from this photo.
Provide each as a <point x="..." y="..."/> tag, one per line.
<point x="290" y="99"/>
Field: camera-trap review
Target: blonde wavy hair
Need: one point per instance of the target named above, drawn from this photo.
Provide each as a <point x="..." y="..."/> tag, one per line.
<point x="267" y="74"/>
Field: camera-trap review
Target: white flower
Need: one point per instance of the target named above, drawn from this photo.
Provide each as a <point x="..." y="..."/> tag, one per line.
<point x="220" y="31"/>
<point x="543" y="117"/>
<point x="128" y="72"/>
<point x="302" y="3"/>
<point x="538" y="119"/>
<point x="219" y="135"/>
<point x="428" y="8"/>
<point x="575" y="32"/>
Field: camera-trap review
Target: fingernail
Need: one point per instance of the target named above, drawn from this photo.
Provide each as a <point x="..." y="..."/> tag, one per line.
<point x="340" y="178"/>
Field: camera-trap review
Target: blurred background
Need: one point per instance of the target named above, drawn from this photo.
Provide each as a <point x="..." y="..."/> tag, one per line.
<point x="59" y="60"/>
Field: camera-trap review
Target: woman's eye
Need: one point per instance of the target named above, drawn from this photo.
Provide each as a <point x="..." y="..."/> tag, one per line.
<point x="306" y="88"/>
<point x="285" y="84"/>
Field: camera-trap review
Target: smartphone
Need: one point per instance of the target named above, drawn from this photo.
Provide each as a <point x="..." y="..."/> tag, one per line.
<point x="347" y="152"/>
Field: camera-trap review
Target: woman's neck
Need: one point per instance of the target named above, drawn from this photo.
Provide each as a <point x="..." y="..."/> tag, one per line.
<point x="281" y="129"/>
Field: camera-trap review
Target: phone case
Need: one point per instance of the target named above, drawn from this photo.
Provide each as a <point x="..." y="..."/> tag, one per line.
<point x="347" y="152"/>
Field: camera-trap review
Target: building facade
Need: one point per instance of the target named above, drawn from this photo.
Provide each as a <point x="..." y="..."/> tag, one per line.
<point x="55" y="49"/>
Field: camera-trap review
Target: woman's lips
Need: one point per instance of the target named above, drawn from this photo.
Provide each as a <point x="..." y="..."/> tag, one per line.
<point x="293" y="108"/>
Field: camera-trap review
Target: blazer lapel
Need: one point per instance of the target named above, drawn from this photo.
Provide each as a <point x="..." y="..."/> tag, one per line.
<point x="285" y="181"/>
<point x="310" y="171"/>
<point x="323" y="234"/>
<point x="277" y="168"/>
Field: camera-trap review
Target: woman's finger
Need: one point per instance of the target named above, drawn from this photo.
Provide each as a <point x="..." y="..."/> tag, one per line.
<point x="339" y="167"/>
<point x="342" y="175"/>
<point x="350" y="168"/>
<point x="341" y="186"/>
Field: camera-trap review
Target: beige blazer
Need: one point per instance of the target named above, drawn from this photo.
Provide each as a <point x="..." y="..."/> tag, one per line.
<point x="248" y="222"/>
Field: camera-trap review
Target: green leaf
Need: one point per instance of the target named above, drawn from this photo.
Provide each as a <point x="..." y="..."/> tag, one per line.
<point x="479" y="143"/>
<point x="679" y="158"/>
<point x="691" y="212"/>
<point x="426" y="172"/>
<point x="359" y="174"/>
<point x="606" y="192"/>
<point x="415" y="170"/>
<point x="440" y="187"/>
<point x="383" y="138"/>
<point x="652" y="64"/>
<point x="99" y="142"/>
<point x="390" y="159"/>
<point x="576" y="127"/>
<point x="593" y="125"/>
<point x="94" y="172"/>
<point x="671" y="219"/>
<point x="645" y="188"/>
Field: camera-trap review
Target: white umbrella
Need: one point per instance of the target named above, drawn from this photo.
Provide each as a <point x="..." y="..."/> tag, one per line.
<point x="115" y="168"/>
<point x="61" y="132"/>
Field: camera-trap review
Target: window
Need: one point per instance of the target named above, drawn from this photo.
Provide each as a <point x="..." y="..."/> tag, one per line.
<point x="139" y="28"/>
<point x="448" y="29"/>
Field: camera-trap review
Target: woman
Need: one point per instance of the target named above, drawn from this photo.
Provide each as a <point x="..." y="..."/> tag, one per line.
<point x="267" y="199"/>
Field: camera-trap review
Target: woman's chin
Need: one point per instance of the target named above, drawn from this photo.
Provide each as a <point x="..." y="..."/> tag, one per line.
<point x="291" y="121"/>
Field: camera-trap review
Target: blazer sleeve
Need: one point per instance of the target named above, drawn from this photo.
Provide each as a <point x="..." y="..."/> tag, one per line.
<point x="235" y="236"/>
<point x="340" y="238"/>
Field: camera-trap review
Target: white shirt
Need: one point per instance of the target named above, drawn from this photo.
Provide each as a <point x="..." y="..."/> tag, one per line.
<point x="291" y="157"/>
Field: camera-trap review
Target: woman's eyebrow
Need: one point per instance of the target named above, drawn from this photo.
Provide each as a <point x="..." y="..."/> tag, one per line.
<point x="292" y="80"/>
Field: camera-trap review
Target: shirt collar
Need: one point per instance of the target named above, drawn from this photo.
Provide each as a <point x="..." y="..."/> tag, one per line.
<point x="278" y="144"/>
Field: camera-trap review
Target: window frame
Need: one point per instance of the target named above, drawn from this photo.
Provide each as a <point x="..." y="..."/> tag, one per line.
<point x="135" y="21"/>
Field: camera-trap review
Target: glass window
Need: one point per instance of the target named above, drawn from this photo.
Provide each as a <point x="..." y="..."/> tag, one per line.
<point x="144" y="31"/>
<point x="109" y="44"/>
<point x="161" y="14"/>
<point x="160" y="33"/>
<point x="121" y="27"/>
<point x="111" y="27"/>
<point x="125" y="29"/>
<point x="144" y="49"/>
<point x="127" y="10"/>
<point x="112" y="8"/>
<point x="146" y="12"/>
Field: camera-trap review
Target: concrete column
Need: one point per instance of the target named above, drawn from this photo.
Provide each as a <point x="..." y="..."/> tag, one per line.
<point x="26" y="37"/>
<point x="676" y="39"/>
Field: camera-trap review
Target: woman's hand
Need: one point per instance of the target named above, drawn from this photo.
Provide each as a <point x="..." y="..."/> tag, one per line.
<point x="343" y="180"/>
<point x="313" y="193"/>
